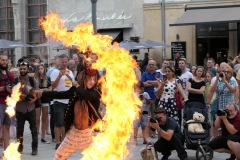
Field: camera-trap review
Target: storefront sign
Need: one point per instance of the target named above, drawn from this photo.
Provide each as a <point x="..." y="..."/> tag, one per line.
<point x="77" y="17"/>
<point x="179" y="47"/>
<point x="212" y="29"/>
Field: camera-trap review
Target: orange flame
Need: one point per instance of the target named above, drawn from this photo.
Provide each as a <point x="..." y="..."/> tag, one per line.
<point x="117" y="87"/>
<point x="13" y="99"/>
<point x="11" y="152"/>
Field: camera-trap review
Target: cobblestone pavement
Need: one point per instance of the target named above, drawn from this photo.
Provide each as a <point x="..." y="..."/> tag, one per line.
<point x="46" y="151"/>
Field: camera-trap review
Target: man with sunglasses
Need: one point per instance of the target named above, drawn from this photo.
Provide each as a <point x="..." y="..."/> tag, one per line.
<point x="170" y="136"/>
<point x="5" y="90"/>
<point x="25" y="107"/>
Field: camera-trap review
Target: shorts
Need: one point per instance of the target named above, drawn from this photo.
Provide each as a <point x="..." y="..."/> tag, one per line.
<point x="59" y="112"/>
<point x="141" y="121"/>
<point x="45" y="105"/>
<point x="4" y="117"/>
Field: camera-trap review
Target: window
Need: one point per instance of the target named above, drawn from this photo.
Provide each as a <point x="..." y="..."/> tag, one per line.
<point x="35" y="10"/>
<point x="7" y="24"/>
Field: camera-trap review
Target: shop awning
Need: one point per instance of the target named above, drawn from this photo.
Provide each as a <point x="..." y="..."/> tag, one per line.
<point x="209" y="15"/>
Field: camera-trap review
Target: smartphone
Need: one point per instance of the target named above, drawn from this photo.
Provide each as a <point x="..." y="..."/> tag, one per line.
<point x="164" y="77"/>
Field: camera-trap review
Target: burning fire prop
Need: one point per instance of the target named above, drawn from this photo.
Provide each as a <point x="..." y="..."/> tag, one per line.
<point x="11" y="152"/>
<point x="117" y="87"/>
<point x="13" y="99"/>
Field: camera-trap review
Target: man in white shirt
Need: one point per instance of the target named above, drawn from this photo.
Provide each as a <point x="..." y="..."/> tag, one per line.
<point x="62" y="80"/>
<point x="165" y="63"/>
<point x="184" y="77"/>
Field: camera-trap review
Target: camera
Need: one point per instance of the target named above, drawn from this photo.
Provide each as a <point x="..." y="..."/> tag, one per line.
<point x="223" y="112"/>
<point x="29" y="97"/>
<point x="154" y="120"/>
<point x="221" y="75"/>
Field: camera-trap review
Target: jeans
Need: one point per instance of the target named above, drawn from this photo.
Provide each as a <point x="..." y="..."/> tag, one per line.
<point x="31" y="118"/>
<point x="176" y="143"/>
<point x="52" y="121"/>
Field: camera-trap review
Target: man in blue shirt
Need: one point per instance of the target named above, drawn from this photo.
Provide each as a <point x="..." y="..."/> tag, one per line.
<point x="150" y="82"/>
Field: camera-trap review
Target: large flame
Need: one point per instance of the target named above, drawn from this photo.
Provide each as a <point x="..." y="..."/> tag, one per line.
<point x="117" y="87"/>
<point x="11" y="152"/>
<point x="13" y="99"/>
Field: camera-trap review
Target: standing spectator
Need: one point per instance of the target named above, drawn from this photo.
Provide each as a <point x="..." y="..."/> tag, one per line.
<point x="193" y="69"/>
<point x="72" y="67"/>
<point x="55" y="65"/>
<point x="230" y="61"/>
<point x="224" y="86"/>
<point x="32" y="67"/>
<point x="184" y="77"/>
<point x="6" y="82"/>
<point x="196" y="86"/>
<point x="211" y="66"/>
<point x="165" y="63"/>
<point x="149" y="80"/>
<point x="176" y="65"/>
<point x="145" y="62"/>
<point x="62" y="80"/>
<point x="143" y="115"/>
<point x="166" y="93"/>
<point x="205" y="60"/>
<point x="25" y="108"/>
<point x="15" y="72"/>
<point x="75" y="58"/>
<point x="212" y="112"/>
<point x="44" y="84"/>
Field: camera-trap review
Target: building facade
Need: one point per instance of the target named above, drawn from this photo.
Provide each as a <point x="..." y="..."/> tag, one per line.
<point x="196" y="36"/>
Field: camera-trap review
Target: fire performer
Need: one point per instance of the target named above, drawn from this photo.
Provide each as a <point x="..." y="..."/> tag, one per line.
<point x="6" y="81"/>
<point x="81" y="112"/>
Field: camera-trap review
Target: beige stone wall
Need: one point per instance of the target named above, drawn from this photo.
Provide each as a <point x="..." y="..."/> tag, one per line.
<point x="173" y="11"/>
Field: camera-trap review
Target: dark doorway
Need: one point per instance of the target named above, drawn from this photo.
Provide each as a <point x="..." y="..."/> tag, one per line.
<point x="216" y="47"/>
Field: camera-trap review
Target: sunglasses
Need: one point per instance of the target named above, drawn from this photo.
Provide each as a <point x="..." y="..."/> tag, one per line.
<point x="23" y="63"/>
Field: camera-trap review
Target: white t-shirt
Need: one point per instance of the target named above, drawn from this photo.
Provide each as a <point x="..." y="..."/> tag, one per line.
<point x="145" y="106"/>
<point x="64" y="83"/>
<point x="185" y="78"/>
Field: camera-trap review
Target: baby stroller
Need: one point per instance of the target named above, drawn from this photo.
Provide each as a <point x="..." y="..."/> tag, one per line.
<point x="197" y="141"/>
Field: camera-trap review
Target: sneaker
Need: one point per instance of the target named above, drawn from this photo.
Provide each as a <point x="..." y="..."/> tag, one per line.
<point x="44" y="141"/>
<point x="34" y="152"/>
<point x="53" y="140"/>
<point x="57" y="145"/>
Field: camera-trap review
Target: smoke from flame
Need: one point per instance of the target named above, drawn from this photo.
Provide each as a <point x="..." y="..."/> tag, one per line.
<point x="117" y="86"/>
<point x="13" y="99"/>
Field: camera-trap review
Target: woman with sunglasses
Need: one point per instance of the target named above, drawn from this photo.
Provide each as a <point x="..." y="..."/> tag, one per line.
<point x="225" y="87"/>
<point x="166" y="92"/>
<point x="44" y="84"/>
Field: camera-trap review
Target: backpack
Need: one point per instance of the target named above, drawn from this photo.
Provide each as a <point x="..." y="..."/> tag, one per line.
<point x="149" y="153"/>
<point x="5" y="80"/>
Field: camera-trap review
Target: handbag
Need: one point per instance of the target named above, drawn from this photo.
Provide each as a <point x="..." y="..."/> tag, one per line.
<point x="179" y="101"/>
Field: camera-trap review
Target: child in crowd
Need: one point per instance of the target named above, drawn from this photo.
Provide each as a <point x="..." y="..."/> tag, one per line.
<point x="212" y="108"/>
<point x="143" y="116"/>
